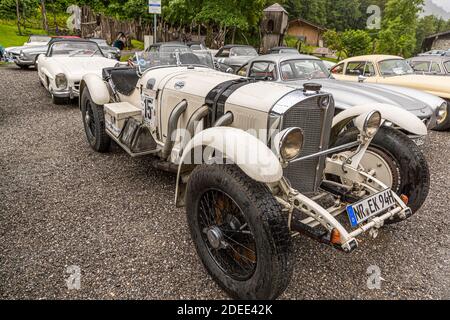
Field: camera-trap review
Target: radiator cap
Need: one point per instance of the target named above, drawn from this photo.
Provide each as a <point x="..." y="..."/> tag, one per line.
<point x="312" y="87"/>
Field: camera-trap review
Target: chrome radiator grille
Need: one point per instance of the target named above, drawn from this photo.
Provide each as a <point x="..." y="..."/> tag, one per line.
<point x="305" y="176"/>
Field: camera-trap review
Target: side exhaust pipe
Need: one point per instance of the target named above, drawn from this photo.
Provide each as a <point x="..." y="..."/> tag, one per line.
<point x="172" y="127"/>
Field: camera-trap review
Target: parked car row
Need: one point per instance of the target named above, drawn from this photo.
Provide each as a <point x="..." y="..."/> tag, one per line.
<point x="394" y="70"/>
<point x="27" y="56"/>
<point x="274" y="147"/>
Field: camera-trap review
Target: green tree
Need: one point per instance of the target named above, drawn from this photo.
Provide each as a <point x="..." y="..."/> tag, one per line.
<point x="350" y="43"/>
<point x="399" y="25"/>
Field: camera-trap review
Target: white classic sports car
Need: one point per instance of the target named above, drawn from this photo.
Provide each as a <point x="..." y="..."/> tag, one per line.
<point x="66" y="62"/>
<point x="255" y="162"/>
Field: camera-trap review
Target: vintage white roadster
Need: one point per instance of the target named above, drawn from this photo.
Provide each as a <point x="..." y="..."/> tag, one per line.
<point x="60" y="70"/>
<point x="253" y="163"/>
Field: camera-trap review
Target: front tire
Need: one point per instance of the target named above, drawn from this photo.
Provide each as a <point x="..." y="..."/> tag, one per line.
<point x="409" y="168"/>
<point x="239" y="232"/>
<point x="94" y="123"/>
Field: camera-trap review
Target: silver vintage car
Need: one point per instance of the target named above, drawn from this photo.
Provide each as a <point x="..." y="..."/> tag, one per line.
<point x="296" y="70"/>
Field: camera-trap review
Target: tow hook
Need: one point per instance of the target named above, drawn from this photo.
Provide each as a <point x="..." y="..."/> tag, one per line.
<point x="350" y="246"/>
<point x="405" y="214"/>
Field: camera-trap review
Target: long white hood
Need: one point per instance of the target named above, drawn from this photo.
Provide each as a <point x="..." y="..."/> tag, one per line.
<point x="76" y="67"/>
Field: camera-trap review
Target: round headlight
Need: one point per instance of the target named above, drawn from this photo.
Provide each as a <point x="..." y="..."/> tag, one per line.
<point x="289" y="143"/>
<point x="61" y="81"/>
<point x="441" y="113"/>
<point x="372" y="124"/>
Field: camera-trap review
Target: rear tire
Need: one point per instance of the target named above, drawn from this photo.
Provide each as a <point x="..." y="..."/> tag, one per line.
<point x="236" y="204"/>
<point x="94" y="123"/>
<point x="445" y="125"/>
<point x="412" y="175"/>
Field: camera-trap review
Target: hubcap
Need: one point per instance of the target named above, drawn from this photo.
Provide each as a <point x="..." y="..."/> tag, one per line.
<point x="215" y="237"/>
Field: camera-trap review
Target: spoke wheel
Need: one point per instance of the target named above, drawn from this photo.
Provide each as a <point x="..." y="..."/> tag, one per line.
<point x="240" y="232"/>
<point x="89" y="120"/>
<point x="227" y="235"/>
<point x="94" y="123"/>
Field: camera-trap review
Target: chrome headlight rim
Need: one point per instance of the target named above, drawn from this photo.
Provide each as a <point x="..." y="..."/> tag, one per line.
<point x="61" y="81"/>
<point x="372" y="124"/>
<point x="442" y="113"/>
<point x="290" y="143"/>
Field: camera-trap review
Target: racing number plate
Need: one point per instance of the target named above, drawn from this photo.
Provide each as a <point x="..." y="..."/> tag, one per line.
<point x="367" y="208"/>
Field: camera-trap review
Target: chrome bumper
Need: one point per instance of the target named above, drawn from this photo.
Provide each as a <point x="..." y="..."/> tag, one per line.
<point x="69" y="93"/>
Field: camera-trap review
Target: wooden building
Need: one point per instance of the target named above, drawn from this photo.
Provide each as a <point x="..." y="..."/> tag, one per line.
<point x="307" y="32"/>
<point x="438" y="41"/>
<point x="273" y="26"/>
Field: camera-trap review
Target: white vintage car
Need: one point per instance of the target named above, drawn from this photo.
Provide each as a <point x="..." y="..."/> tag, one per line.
<point x="60" y="70"/>
<point x="254" y="163"/>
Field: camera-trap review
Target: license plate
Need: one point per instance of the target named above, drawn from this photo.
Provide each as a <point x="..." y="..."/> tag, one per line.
<point x="372" y="206"/>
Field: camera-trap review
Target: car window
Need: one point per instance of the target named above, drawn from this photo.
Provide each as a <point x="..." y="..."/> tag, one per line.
<point x="355" y="68"/>
<point x="421" y="66"/>
<point x="447" y="66"/>
<point x="242" y="71"/>
<point x="225" y="53"/>
<point x="304" y="69"/>
<point x="153" y="49"/>
<point x="289" y="51"/>
<point x="263" y="70"/>
<point x="395" y="67"/>
<point x="369" y="70"/>
<point x="339" y="69"/>
<point x="435" y="68"/>
<point x="243" y="51"/>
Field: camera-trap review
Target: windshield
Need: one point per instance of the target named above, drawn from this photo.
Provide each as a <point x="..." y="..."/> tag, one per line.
<point x="197" y="47"/>
<point x="100" y="42"/>
<point x="395" y="67"/>
<point x="303" y="70"/>
<point x="185" y="57"/>
<point x="75" y="48"/>
<point x="39" y="39"/>
<point x="287" y="50"/>
<point x="243" y="51"/>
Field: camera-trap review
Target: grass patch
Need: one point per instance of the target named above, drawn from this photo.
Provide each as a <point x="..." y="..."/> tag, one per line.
<point x="137" y="45"/>
<point x="330" y="59"/>
<point x="126" y="57"/>
<point x="9" y="35"/>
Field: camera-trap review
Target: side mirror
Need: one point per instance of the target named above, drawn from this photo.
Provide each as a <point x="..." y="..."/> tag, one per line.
<point x="362" y="78"/>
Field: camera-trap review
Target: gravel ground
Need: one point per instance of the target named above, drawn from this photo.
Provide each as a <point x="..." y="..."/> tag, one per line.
<point x="63" y="205"/>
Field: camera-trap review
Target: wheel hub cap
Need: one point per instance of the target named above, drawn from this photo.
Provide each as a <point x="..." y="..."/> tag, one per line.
<point x="215" y="237"/>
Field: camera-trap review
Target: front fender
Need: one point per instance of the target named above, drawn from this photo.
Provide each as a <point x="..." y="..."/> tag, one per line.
<point x="249" y="153"/>
<point x="97" y="88"/>
<point x="402" y="118"/>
